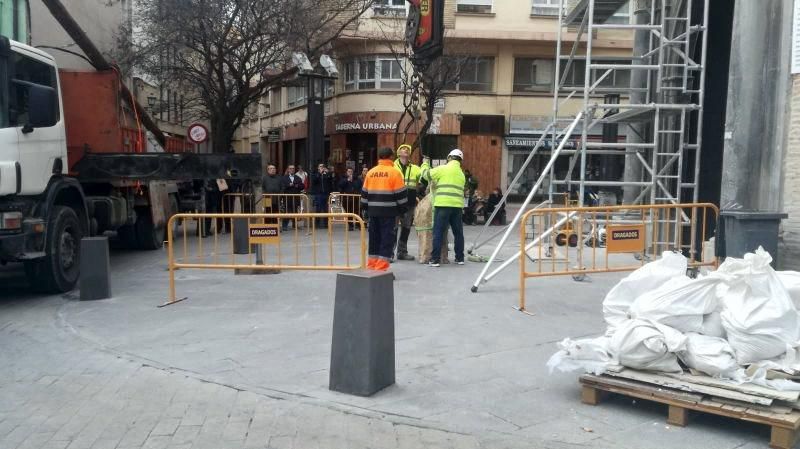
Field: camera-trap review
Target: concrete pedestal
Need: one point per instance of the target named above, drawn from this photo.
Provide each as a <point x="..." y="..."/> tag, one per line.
<point x="362" y="353"/>
<point x="95" y="281"/>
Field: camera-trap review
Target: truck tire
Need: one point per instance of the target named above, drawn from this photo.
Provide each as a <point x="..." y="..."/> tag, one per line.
<point x="58" y="272"/>
<point x="149" y="237"/>
<point x="127" y="236"/>
<point x="174" y="208"/>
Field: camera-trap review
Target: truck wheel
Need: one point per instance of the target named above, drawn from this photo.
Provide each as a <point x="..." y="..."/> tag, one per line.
<point x="174" y="208"/>
<point x="58" y="272"/>
<point x="147" y="234"/>
<point x="127" y="235"/>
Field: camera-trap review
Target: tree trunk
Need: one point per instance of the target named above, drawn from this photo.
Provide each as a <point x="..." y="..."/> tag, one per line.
<point x="222" y="133"/>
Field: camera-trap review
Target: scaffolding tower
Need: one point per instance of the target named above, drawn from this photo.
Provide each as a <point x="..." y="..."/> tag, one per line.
<point x="662" y="107"/>
<point x="665" y="107"/>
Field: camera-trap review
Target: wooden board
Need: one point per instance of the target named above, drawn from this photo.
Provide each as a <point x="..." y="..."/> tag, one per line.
<point x="784" y="426"/>
<point x="675" y="384"/>
<point x="755" y="390"/>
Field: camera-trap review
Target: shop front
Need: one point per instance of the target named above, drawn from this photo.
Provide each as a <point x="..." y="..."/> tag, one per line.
<point x="356" y="137"/>
<point x="525" y="132"/>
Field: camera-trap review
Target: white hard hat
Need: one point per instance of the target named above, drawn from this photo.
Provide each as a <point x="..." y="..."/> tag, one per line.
<point x="456" y="153"/>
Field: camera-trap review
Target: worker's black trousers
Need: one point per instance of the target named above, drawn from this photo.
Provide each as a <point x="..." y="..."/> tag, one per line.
<point x="382" y="237"/>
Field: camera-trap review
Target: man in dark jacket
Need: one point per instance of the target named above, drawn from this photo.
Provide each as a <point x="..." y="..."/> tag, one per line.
<point x="321" y="181"/>
<point x="291" y="185"/>
<point x="271" y="184"/>
<point x="350" y="185"/>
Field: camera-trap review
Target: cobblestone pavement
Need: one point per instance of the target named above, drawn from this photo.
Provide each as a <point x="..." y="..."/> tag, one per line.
<point x="244" y="363"/>
<point x="59" y="392"/>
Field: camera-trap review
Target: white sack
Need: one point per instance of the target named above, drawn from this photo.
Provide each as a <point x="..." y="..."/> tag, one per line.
<point x="759" y="316"/>
<point x="646" y="345"/>
<point x="589" y="355"/>
<point x="712" y="325"/>
<point x="680" y="303"/>
<point x="791" y="282"/>
<point x="618" y="301"/>
<point x="711" y="355"/>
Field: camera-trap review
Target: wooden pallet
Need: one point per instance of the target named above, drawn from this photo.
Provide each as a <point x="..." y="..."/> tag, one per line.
<point x="784" y="426"/>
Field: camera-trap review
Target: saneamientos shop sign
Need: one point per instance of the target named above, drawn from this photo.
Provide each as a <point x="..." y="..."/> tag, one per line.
<point x="366" y="126"/>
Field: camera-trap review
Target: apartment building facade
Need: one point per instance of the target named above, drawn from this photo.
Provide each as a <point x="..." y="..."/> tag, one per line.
<point x="494" y="112"/>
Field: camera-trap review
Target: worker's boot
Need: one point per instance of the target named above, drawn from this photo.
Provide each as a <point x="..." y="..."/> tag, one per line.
<point x="402" y="246"/>
<point x="371" y="263"/>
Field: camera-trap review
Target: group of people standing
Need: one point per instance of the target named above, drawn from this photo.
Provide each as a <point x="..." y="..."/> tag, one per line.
<point x="318" y="185"/>
<point x="389" y="195"/>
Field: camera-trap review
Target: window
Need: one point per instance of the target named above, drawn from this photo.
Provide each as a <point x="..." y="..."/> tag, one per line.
<point x="366" y="74"/>
<point x="391" y="75"/>
<point x="350" y="77"/>
<point x="616" y="79"/>
<point x="533" y="75"/>
<point x="545" y="7"/>
<point x="475" y="6"/>
<point x="254" y="148"/>
<point x="27" y="70"/>
<point x="275" y="104"/>
<point x="389" y="7"/>
<point x="3" y="95"/>
<point x="483" y="124"/>
<point x="477" y="75"/>
<point x="295" y="96"/>
<point x="373" y="73"/>
<point x="622" y="16"/>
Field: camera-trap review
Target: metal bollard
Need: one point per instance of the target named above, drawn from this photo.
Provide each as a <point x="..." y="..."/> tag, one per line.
<point x="362" y="351"/>
<point x="240" y="235"/>
<point x="95" y="282"/>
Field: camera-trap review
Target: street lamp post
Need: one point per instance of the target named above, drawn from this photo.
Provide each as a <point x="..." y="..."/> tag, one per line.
<point x="315" y="103"/>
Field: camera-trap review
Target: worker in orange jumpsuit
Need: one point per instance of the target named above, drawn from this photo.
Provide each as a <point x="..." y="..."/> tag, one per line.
<point x="384" y="197"/>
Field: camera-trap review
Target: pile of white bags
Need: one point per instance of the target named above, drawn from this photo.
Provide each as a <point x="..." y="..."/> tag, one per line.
<point x="743" y="313"/>
<point x="759" y="317"/>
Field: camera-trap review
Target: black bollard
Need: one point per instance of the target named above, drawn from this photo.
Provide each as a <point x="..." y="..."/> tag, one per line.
<point x="362" y="352"/>
<point x="95" y="282"/>
<point x="241" y="237"/>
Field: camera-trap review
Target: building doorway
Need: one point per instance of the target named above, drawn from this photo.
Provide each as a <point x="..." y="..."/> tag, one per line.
<point x="363" y="149"/>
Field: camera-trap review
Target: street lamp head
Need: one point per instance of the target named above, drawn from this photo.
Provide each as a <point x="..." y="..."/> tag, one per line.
<point x="301" y="62"/>
<point x="329" y="65"/>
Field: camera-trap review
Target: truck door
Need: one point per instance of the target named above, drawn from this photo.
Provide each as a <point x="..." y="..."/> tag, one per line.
<point x="9" y="152"/>
<point x="39" y="146"/>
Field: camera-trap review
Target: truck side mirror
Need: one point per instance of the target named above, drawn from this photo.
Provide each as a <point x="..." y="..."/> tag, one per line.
<point x="41" y="106"/>
<point x="34" y="104"/>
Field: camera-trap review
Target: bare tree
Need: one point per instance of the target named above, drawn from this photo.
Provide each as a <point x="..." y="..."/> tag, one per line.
<point x="437" y="80"/>
<point x="433" y="81"/>
<point x="226" y="54"/>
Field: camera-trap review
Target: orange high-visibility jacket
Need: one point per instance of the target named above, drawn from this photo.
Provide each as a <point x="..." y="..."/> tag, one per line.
<point x="384" y="191"/>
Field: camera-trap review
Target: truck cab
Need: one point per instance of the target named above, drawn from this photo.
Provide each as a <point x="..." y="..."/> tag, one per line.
<point x="43" y="213"/>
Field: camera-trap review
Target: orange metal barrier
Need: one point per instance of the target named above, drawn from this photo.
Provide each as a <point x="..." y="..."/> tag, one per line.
<point x="339" y="203"/>
<point x="245" y="201"/>
<point x="578" y="241"/>
<point x="266" y="247"/>
<point x="270" y="203"/>
<point x="287" y="203"/>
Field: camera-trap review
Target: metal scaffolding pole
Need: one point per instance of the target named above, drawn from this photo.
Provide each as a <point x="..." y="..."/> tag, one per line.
<point x="662" y="96"/>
